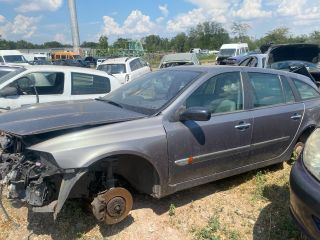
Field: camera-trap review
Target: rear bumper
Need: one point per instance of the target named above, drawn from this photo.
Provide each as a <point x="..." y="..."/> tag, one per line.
<point x="305" y="200"/>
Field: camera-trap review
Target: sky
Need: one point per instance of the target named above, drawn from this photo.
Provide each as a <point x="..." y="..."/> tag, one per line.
<point x="40" y="21"/>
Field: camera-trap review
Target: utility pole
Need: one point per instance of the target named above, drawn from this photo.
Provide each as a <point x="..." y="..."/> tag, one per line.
<point x="74" y="26"/>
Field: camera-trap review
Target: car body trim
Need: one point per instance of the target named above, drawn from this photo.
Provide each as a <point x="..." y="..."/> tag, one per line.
<point x="210" y="156"/>
<point x="260" y="144"/>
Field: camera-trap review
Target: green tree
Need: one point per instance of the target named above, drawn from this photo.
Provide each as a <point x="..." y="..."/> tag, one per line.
<point x="240" y="30"/>
<point x="89" y="45"/>
<point x="53" y="44"/>
<point x="179" y="42"/>
<point x="103" y="42"/>
<point x="121" y="43"/>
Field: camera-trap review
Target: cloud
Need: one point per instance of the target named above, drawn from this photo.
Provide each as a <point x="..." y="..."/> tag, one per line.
<point x="252" y="9"/>
<point x="136" y="24"/>
<point x="164" y="10"/>
<point x="2" y="19"/>
<point x="21" y="27"/>
<point x="187" y="20"/>
<point x="60" y="37"/>
<point x="39" y="5"/>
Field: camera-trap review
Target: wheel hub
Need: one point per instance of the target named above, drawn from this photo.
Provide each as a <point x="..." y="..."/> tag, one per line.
<point x="116" y="207"/>
<point x="112" y="206"/>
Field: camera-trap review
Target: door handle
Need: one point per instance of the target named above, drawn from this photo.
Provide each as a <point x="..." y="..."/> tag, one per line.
<point x="296" y="116"/>
<point x="242" y="126"/>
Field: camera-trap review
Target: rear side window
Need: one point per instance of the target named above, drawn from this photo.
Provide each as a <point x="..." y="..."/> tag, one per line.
<point x="266" y="89"/>
<point x="113" y="68"/>
<point x="245" y="62"/>
<point x="1" y="60"/>
<point x="287" y="90"/>
<point x="135" y="64"/>
<point x="89" y="84"/>
<point x="305" y="90"/>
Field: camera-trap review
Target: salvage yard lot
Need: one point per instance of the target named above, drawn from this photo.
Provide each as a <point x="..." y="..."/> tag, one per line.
<point x="248" y="206"/>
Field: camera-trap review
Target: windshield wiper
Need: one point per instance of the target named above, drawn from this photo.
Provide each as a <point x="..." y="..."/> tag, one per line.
<point x="110" y="102"/>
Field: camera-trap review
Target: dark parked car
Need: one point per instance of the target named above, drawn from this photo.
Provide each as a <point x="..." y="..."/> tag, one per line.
<point x="305" y="188"/>
<point x="166" y="131"/>
<point x="91" y="61"/>
<point x="299" y="58"/>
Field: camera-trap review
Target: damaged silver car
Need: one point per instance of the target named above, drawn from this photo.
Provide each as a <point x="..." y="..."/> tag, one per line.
<point x="166" y="131"/>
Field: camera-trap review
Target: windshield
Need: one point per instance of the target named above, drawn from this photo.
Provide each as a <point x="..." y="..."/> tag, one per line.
<point x="149" y="93"/>
<point x="11" y="75"/>
<point x="174" y="64"/>
<point x="285" y="65"/>
<point x="113" y="68"/>
<point x="227" y="52"/>
<point x="15" y="59"/>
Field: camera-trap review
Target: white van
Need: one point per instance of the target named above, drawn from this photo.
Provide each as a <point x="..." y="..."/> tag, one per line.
<point x="12" y="57"/>
<point x="231" y="50"/>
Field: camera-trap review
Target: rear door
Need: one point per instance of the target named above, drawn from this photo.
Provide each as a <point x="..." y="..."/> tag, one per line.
<point x="84" y="86"/>
<point x="276" y="114"/>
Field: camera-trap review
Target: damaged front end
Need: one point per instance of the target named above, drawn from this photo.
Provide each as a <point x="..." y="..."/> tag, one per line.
<point x="34" y="177"/>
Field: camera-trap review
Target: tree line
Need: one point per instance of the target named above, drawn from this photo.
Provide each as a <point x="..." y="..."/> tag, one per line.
<point x="207" y="35"/>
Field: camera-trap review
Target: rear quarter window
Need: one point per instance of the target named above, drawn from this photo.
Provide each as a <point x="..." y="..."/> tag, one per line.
<point x="305" y="90"/>
<point x="82" y="83"/>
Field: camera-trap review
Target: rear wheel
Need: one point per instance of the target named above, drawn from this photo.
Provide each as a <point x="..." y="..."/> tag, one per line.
<point x="113" y="205"/>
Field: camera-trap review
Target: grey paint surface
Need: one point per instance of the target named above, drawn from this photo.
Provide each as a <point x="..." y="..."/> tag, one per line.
<point x="48" y="117"/>
<point x="220" y="151"/>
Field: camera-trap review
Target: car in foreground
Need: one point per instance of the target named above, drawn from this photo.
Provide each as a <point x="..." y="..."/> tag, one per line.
<point x="178" y="59"/>
<point x="48" y="83"/>
<point x="169" y="130"/>
<point x="254" y="60"/>
<point x="305" y="188"/>
<point x="125" y="69"/>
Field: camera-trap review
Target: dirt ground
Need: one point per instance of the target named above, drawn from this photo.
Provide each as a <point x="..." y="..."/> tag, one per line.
<point x="249" y="206"/>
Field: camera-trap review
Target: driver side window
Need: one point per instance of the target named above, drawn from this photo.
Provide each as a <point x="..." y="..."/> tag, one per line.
<point x="221" y="93"/>
<point x="46" y="83"/>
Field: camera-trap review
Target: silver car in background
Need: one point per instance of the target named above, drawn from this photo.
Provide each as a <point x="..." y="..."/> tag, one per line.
<point x="178" y="59"/>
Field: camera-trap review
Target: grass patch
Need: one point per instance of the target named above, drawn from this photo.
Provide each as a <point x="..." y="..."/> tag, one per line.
<point x="209" y="231"/>
<point x="260" y="180"/>
<point x="172" y="210"/>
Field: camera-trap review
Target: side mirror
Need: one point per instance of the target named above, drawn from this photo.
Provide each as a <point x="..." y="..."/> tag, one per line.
<point x="8" y="91"/>
<point x="195" y="114"/>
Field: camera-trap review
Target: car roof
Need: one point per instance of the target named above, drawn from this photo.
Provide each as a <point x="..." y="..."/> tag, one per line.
<point x="119" y="60"/>
<point x="178" y="57"/>
<point x="64" y="68"/>
<point x="9" y="68"/>
<point x="210" y="69"/>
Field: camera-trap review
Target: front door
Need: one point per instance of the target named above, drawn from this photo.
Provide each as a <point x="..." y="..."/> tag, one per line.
<point x="48" y="85"/>
<point x="199" y="149"/>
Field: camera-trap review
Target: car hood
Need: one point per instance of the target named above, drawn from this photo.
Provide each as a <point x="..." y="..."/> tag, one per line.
<point x="299" y="52"/>
<point x="48" y="117"/>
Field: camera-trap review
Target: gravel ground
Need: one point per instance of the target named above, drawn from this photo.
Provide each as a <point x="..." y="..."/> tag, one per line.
<point x="249" y="206"/>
